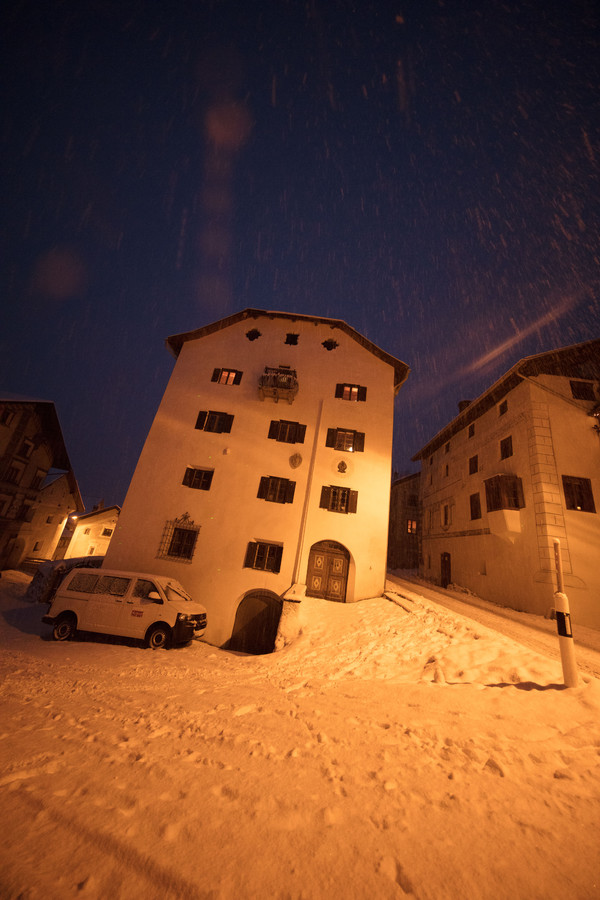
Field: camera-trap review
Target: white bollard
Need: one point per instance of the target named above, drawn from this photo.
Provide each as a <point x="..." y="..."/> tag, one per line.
<point x="563" y="624"/>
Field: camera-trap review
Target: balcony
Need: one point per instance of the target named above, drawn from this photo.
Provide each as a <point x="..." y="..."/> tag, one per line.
<point x="278" y="383"/>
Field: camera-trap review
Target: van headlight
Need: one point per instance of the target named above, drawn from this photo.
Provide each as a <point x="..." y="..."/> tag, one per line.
<point x="183" y="617"/>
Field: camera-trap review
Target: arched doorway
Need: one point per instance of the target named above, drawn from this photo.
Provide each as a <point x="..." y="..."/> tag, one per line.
<point x="256" y="623"/>
<point x="327" y="574"/>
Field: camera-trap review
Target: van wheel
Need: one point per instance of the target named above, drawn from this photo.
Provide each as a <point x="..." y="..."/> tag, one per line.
<point x="159" y="637"/>
<point x="64" y="627"/>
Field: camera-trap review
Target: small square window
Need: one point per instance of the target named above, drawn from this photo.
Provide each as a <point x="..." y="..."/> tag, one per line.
<point x="227" y="376"/>
<point x="338" y="499"/>
<point x="262" y="555"/>
<point x="503" y="408"/>
<point x="291" y="339"/>
<point x="345" y="439"/>
<point x="215" y="421"/>
<point x="330" y="344"/>
<point x="351" y="392"/>
<point x="276" y="490"/>
<point x="473" y="464"/>
<point x="87" y="530"/>
<point x="179" y="539"/>
<point x="199" y="479"/>
<point x="107" y="532"/>
<point x="411" y="526"/>
<point x="506" y="448"/>
<point x="287" y="432"/>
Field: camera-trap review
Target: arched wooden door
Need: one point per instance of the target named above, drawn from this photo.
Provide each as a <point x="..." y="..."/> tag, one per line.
<point x="256" y="623"/>
<point x="327" y="574"/>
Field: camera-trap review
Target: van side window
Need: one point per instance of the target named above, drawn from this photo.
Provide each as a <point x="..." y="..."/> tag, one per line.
<point x="111" y="584"/>
<point x="143" y="588"/>
<point x="84" y="582"/>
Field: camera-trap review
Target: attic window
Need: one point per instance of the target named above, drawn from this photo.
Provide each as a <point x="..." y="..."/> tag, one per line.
<point x="6" y="416"/>
<point x="503" y="408"/>
<point x="330" y="344"/>
<point x="253" y="334"/>
<point x="291" y="338"/>
<point x="582" y="390"/>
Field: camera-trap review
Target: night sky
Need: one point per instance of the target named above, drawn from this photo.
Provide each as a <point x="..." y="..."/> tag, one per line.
<point x="427" y="171"/>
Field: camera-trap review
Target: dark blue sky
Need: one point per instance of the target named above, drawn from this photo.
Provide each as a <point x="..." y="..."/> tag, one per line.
<point x="426" y="173"/>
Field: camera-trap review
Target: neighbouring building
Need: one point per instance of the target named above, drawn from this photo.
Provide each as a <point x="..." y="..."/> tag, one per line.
<point x="266" y="472"/>
<point x="516" y="469"/>
<point x="405" y="523"/>
<point x="92" y="532"/>
<point x="38" y="489"/>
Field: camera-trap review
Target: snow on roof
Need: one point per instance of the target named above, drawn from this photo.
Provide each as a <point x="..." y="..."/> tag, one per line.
<point x="176" y="341"/>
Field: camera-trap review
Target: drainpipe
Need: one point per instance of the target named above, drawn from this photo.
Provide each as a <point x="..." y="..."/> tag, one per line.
<point x="309" y="481"/>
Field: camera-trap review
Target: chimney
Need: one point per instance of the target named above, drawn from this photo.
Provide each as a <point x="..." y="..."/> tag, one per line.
<point x="462" y="405"/>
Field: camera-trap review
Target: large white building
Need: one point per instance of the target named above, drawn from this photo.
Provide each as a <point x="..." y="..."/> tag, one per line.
<point x="518" y="468"/>
<point x="266" y="472"/>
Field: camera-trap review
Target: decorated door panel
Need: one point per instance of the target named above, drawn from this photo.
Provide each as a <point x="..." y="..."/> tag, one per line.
<point x="327" y="574"/>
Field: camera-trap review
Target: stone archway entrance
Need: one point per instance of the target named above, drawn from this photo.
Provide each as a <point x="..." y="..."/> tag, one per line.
<point x="327" y="574"/>
<point x="256" y="623"/>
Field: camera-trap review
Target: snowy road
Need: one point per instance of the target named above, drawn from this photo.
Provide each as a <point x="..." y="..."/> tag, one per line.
<point x="389" y="749"/>
<point x="534" y="632"/>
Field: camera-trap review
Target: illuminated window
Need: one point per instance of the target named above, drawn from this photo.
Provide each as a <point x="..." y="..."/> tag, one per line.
<point x="199" y="479"/>
<point x="506" y="448"/>
<point x="287" y="432"/>
<point x="350" y="392"/>
<point x="345" y="439"/>
<point x="338" y="499"/>
<point x="582" y="390"/>
<point x="211" y="420"/>
<point x="578" y="493"/>
<point x="475" y="502"/>
<point x="411" y="526"/>
<point x="473" y="465"/>
<point x="107" y="532"/>
<point x="262" y="555"/>
<point x="504" y="492"/>
<point x="227" y="376"/>
<point x="276" y="490"/>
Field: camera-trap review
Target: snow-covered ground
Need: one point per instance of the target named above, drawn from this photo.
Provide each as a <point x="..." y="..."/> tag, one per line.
<point x="385" y="751"/>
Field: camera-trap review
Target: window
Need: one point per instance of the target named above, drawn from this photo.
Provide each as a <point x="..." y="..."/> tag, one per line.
<point x="411" y="526"/>
<point x="6" y="416"/>
<point x="37" y="546"/>
<point x="26" y="448"/>
<point x="446" y="515"/>
<point x="179" y="539"/>
<point x="475" y="502"/>
<point x="261" y="555"/>
<point x="106" y="532"/>
<point x="330" y="344"/>
<point x="211" y="420"/>
<point x="253" y="334"/>
<point x="345" y="439"/>
<point x="291" y="339"/>
<point x="471" y="431"/>
<point x="582" y="390"/>
<point x="83" y="582"/>
<point x="431" y="460"/>
<point x="142" y="588"/>
<point x="112" y="584"/>
<point x="446" y="470"/>
<point x="49" y="520"/>
<point x="86" y="530"/>
<point x="447" y="447"/>
<point x="25" y="514"/>
<point x="338" y="499"/>
<point x="199" y="479"/>
<point x="578" y="493"/>
<point x="287" y="432"/>
<point x="14" y="473"/>
<point x="504" y="492"/>
<point x="503" y="408"/>
<point x="350" y="392"/>
<point x="506" y="448"/>
<point x="276" y="490"/>
<point x="227" y="376"/>
<point x="473" y="464"/>
<point x="37" y="480"/>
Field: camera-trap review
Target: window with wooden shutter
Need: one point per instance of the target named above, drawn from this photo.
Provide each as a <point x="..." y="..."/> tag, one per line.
<point x="276" y="490"/>
<point x="215" y="421"/>
<point x="227" y="376"/>
<point x="345" y="439"/>
<point x="351" y="392"/>
<point x="338" y="499"/>
<point x="287" y="432"/>
<point x="504" y="492"/>
<point x="263" y="555"/>
<point x="578" y="493"/>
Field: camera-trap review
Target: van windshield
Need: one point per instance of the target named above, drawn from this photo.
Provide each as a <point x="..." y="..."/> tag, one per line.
<point x="176" y="592"/>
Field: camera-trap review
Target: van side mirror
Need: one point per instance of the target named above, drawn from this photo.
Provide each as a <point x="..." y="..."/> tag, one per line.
<point x="154" y="595"/>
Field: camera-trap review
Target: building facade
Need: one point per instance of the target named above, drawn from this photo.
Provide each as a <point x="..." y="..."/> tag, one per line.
<point x="518" y="468"/>
<point x="405" y="523"/>
<point x="33" y="504"/>
<point x="93" y="532"/>
<point x="266" y="472"/>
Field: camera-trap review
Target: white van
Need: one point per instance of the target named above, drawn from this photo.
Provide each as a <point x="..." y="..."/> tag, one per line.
<point x="152" y="608"/>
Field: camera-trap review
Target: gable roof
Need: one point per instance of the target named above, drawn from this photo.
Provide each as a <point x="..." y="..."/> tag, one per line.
<point x="577" y="361"/>
<point x="99" y="512"/>
<point x="401" y="370"/>
<point x="50" y="424"/>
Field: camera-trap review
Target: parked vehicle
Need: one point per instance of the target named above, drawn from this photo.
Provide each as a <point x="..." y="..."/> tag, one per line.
<point x="50" y="574"/>
<point x="153" y="608"/>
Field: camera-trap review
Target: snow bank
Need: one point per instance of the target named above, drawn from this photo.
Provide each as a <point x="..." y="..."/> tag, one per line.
<point x="390" y="749"/>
